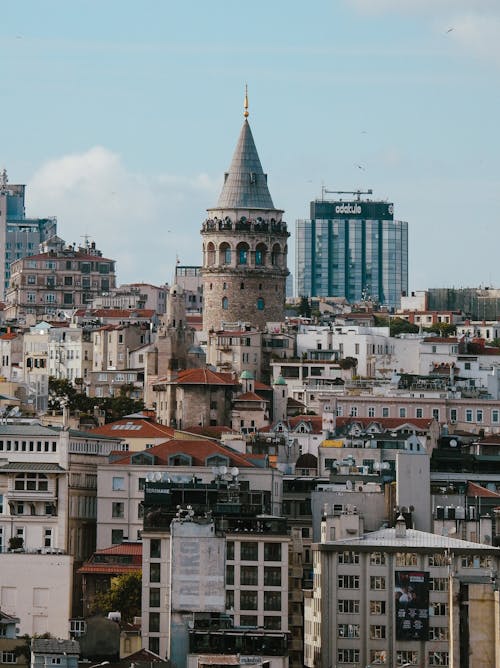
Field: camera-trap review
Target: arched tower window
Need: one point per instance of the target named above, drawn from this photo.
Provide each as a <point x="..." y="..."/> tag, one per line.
<point x="225" y="303"/>
<point x="242" y="253"/>
<point x="276" y="255"/>
<point x="210" y="254"/>
<point x="260" y="254"/>
<point x="260" y="304"/>
<point x="225" y="253"/>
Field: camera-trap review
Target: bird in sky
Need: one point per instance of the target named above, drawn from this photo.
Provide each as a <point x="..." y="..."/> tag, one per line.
<point x="450" y="30"/>
<point x="360" y="167"/>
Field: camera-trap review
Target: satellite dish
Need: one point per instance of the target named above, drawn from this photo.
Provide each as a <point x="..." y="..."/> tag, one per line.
<point x="453" y="443"/>
<point x="223" y="470"/>
<point x="164" y="477"/>
<point x="157" y="476"/>
<point x="348" y="485"/>
<point x="235" y="471"/>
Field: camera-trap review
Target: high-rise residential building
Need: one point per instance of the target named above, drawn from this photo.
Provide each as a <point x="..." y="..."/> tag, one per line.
<point x="19" y="236"/>
<point x="353" y="249"/>
<point x="244" y="246"/>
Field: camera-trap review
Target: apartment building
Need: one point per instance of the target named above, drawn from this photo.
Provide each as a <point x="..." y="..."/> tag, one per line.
<point x="400" y="597"/>
<point x="59" y="278"/>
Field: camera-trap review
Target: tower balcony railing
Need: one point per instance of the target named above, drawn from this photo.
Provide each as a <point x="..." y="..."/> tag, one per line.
<point x="245" y="225"/>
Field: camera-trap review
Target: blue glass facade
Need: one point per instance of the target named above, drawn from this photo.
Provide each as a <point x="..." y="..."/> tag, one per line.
<point x="354" y="250"/>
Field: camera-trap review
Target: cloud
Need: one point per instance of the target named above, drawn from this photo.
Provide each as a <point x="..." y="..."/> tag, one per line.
<point x="141" y="221"/>
<point x="475" y="24"/>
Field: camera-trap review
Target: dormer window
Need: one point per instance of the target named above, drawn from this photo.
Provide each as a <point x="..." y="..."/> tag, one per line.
<point x="180" y="459"/>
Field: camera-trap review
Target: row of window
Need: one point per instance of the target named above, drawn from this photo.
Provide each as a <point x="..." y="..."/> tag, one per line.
<point x="470" y="415"/>
<point x="403" y="657"/>
<point x="260" y="304"/>
<point x="28" y="446"/>
<point x="249" y="575"/>
<point x="249" y="551"/>
<point x="249" y="600"/>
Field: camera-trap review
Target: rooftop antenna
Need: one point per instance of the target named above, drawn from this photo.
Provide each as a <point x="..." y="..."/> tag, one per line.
<point x="85" y="238"/>
<point x="245" y="103"/>
<point x="357" y="193"/>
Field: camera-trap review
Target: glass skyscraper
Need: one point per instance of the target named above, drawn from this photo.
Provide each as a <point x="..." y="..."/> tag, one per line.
<point x="352" y="249"/>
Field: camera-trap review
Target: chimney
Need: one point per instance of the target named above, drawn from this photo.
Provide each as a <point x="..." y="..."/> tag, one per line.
<point x="400" y="531"/>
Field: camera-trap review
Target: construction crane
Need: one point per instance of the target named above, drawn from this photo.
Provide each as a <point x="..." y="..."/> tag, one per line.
<point x="357" y="193"/>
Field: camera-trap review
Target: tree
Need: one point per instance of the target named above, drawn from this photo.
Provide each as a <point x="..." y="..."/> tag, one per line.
<point x="348" y="363"/>
<point x="402" y="326"/>
<point x="442" y="328"/>
<point x="305" y="307"/>
<point x="124" y="595"/>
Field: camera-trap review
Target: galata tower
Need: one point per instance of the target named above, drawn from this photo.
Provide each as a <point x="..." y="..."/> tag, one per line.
<point x="244" y="246"/>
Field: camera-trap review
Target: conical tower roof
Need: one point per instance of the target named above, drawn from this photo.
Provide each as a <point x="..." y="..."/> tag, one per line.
<point x="245" y="185"/>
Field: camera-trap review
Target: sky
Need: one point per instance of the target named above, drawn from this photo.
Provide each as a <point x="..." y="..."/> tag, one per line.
<point x="121" y="118"/>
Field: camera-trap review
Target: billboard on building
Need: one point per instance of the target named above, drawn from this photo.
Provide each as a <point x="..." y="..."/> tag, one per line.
<point x="198" y="568"/>
<point x="411" y="605"/>
<point x="354" y="209"/>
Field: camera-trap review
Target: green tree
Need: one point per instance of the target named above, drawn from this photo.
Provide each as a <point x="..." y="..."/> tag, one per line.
<point x="402" y="326"/>
<point x="305" y="307"/>
<point x="442" y="328"/>
<point x="124" y="596"/>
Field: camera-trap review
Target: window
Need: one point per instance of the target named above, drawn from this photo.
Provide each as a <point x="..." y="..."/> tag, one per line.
<point x="406" y="656"/>
<point x="348" y="630"/>
<point x="377" y="559"/>
<point x="272" y="623"/>
<point x="435" y="414"/>
<point x="47" y="537"/>
<point x="248" y="600"/>
<point x="378" y="656"/>
<point x="438" y="633"/>
<point x="229" y="599"/>
<point x="438" y="659"/>
<point x="77" y="627"/>
<point x="385" y="412"/>
<point x="154" y="645"/>
<point x="272" y="600"/>
<point x="249" y="575"/>
<point x="438" y="559"/>
<point x="260" y="304"/>
<point x="479" y="415"/>
<point x="348" y="655"/>
<point x="439" y="609"/>
<point x="116" y="536"/>
<point x="468" y="415"/>
<point x="475" y="561"/>
<point x="406" y="559"/>
<point x="354" y="411"/>
<point x="249" y="551"/>
<point x="377" y="607"/>
<point x="154" y="597"/>
<point x="248" y="620"/>
<point x="118" y="484"/>
<point x="32" y="482"/>
<point x="348" y="606"/>
<point x="8" y="657"/>
<point x="230" y="550"/>
<point x="377" y="582"/>
<point x="371" y="411"/>
<point x="117" y="509"/>
<point x="439" y="584"/>
<point x="402" y="412"/>
<point x="154" y="572"/>
<point x="348" y="581"/>
<point x="272" y="576"/>
<point x="230" y="574"/>
<point x="68" y="280"/>
<point x="377" y="632"/>
<point x="453" y="414"/>
<point x="154" y="621"/>
<point x="225" y="303"/>
<point x="272" y="551"/>
<point x="495" y="415"/>
<point x="419" y="412"/>
<point x="348" y="558"/>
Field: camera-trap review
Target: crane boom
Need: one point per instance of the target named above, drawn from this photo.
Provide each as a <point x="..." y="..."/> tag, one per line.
<point x="358" y="193"/>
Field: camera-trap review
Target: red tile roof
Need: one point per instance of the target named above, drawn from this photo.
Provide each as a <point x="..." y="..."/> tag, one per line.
<point x="122" y="548"/>
<point x="133" y="550"/>
<point x="202" y="377"/>
<point x="262" y="386"/>
<point x="198" y="450"/>
<point x="135" y="428"/>
<point x="210" y="431"/>
<point x="8" y="336"/>
<point x="440" y="339"/>
<point x="492" y="439"/>
<point x="249" y="396"/>
<point x="316" y="422"/>
<point x="123" y="312"/>
<point x="476" y="490"/>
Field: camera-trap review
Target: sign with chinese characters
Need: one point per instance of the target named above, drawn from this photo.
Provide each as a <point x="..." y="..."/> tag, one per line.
<point x="411" y="605"/>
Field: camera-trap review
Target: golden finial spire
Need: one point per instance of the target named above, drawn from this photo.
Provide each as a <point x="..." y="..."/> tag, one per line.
<point x="245" y="104"/>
